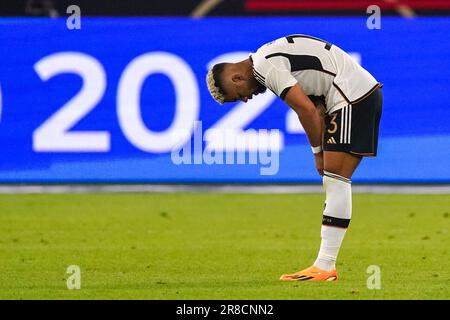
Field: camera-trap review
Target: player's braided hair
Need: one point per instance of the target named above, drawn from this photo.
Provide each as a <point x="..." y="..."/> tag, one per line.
<point x="214" y="82"/>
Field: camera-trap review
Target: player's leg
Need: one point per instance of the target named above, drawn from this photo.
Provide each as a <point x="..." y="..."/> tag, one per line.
<point x="341" y="163"/>
<point x="338" y="170"/>
<point x="350" y="133"/>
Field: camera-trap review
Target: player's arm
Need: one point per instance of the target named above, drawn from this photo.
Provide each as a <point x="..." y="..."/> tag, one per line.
<point x="319" y="103"/>
<point x="310" y="119"/>
<point x="307" y="113"/>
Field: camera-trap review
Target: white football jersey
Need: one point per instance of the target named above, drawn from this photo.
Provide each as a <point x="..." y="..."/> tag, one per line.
<point x="319" y="67"/>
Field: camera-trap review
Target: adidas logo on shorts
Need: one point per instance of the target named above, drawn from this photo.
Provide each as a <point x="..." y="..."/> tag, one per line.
<point x="331" y="141"/>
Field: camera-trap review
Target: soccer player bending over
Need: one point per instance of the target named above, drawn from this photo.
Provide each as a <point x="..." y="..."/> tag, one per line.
<point x="338" y="104"/>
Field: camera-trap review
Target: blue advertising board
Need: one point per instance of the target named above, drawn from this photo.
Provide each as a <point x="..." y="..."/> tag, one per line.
<point x="124" y="100"/>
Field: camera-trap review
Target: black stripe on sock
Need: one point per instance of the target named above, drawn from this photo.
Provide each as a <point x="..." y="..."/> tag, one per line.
<point x="335" y="222"/>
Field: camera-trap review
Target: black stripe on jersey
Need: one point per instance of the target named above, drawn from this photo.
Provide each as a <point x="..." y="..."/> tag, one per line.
<point x="284" y="92"/>
<point x="259" y="74"/>
<point x="260" y="80"/>
<point x="302" y="62"/>
<point x="342" y="93"/>
<point x="378" y="85"/>
<point x="291" y="38"/>
<point x="335" y="222"/>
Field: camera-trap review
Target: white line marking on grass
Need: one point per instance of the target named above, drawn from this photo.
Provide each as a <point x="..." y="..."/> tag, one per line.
<point x="205" y="188"/>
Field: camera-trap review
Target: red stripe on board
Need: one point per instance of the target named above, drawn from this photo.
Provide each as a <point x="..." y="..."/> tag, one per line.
<point x="283" y="5"/>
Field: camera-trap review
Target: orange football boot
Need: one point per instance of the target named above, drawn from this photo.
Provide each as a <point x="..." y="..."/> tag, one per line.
<point x="311" y="274"/>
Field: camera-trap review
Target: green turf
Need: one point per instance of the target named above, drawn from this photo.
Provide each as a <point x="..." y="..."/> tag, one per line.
<point x="217" y="246"/>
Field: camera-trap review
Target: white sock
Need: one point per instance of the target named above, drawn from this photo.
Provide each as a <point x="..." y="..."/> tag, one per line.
<point x="336" y="218"/>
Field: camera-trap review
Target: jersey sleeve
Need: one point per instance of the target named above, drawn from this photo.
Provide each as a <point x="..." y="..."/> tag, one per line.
<point x="273" y="73"/>
<point x="280" y="81"/>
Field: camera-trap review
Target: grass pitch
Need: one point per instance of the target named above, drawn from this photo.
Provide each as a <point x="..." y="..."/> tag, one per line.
<point x="218" y="246"/>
